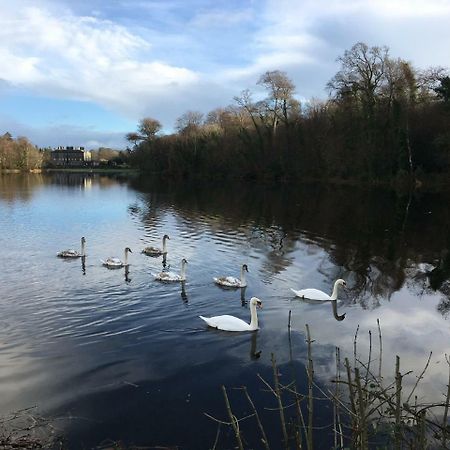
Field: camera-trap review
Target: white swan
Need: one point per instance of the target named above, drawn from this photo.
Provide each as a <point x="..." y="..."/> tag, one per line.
<point x="231" y="323"/>
<point x="114" y="263"/>
<point x="171" y="276"/>
<point x="315" y="294"/>
<point x="155" y="251"/>
<point x="233" y="281"/>
<point x="73" y="253"/>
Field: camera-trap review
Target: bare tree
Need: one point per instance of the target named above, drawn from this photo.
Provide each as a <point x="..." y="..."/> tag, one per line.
<point x="149" y="128"/>
<point x="280" y="101"/>
<point x="362" y="74"/>
<point x="189" y="123"/>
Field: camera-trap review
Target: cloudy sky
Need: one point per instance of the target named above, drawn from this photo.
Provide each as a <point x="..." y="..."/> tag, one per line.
<point x="83" y="72"/>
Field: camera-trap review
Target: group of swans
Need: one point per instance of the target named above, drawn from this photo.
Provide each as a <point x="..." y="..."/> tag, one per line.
<point x="223" y="322"/>
<point x="231" y="323"/>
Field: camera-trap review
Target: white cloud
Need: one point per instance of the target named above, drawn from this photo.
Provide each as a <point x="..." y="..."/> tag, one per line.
<point x="82" y="58"/>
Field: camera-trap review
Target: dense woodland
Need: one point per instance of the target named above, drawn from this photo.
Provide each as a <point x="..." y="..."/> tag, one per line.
<point x="384" y="120"/>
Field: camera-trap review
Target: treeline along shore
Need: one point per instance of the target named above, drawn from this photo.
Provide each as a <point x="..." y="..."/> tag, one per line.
<point x="384" y="121"/>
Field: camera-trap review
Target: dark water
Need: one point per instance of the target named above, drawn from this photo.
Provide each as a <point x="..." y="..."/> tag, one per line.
<point x="114" y="355"/>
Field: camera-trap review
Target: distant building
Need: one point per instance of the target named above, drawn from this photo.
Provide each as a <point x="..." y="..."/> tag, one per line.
<point x="70" y="156"/>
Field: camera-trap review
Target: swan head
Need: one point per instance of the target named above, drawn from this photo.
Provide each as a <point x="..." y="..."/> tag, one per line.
<point x="166" y="236"/>
<point x="254" y="301"/>
<point x="341" y="282"/>
<point x="244" y="267"/>
<point x="83" y="240"/>
<point x="128" y="249"/>
<point x="184" y="261"/>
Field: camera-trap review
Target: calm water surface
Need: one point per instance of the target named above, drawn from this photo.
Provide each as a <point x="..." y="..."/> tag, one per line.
<point x="115" y="355"/>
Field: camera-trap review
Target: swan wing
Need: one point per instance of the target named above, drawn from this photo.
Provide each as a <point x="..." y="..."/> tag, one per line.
<point x="312" y="294"/>
<point x="228" y="281"/>
<point x="227" y="323"/>
<point x="68" y="254"/>
<point x="167" y="276"/>
<point x="114" y="262"/>
<point x="152" y="251"/>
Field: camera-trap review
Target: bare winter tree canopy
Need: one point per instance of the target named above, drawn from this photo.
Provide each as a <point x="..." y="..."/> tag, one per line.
<point x="189" y="122"/>
<point x="148" y="128"/>
<point x="363" y="70"/>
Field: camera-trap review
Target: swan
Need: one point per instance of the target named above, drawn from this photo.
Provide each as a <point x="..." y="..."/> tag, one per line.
<point x="231" y="323"/>
<point x="171" y="276"/>
<point x="315" y="294"/>
<point x="233" y="281"/>
<point x="73" y="253"/>
<point x="114" y="263"/>
<point x="155" y="251"/>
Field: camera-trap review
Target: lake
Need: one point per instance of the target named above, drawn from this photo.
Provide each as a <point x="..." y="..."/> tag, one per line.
<point x="111" y="355"/>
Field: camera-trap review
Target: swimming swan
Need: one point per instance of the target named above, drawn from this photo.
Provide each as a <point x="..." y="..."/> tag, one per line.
<point x="73" y="253"/>
<point x="155" y="251"/>
<point x="231" y="323"/>
<point x="233" y="281"/>
<point x="114" y="263"/>
<point x="315" y="294"/>
<point x="171" y="276"/>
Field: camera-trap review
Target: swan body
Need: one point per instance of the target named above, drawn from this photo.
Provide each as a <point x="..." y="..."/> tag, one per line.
<point x="73" y="253"/>
<point x="115" y="263"/>
<point x="233" y="281"/>
<point x="315" y="294"/>
<point x="155" y="251"/>
<point x="172" y="276"/>
<point x="231" y="323"/>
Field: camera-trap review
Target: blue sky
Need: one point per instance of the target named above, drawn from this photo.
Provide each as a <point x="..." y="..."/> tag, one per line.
<point x="85" y="72"/>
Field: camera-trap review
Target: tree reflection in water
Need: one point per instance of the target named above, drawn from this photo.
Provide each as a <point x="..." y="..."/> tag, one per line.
<point x="379" y="239"/>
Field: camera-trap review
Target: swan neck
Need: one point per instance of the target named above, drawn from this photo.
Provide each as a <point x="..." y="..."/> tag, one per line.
<point x="254" y="317"/>
<point x="164" y="249"/>
<point x="83" y="248"/>
<point x="335" y="292"/>
<point x="183" y="271"/>
<point x="126" y="258"/>
<point x="243" y="279"/>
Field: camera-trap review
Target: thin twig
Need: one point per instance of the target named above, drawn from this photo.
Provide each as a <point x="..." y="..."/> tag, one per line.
<point x="381" y="350"/>
<point x="310" y="372"/>
<point x="419" y="377"/>
<point x="234" y="422"/>
<point x="280" y="402"/>
<point x="264" y="439"/>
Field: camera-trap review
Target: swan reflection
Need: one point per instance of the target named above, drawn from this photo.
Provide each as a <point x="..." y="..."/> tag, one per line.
<point x="127" y="273"/>
<point x="184" y="296"/>
<point x="254" y="353"/>
<point x="83" y="264"/>
<point x="243" y="301"/>
<point x="334" y="306"/>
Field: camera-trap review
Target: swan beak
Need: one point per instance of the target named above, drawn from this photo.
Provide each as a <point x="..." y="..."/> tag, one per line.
<point x="259" y="305"/>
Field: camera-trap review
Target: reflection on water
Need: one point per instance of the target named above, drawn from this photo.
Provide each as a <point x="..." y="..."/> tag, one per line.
<point x="122" y="351"/>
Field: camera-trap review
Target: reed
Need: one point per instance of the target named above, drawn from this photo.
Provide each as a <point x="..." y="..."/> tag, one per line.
<point x="368" y="412"/>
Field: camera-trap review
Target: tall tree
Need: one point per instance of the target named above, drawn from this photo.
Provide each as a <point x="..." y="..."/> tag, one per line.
<point x="363" y="71"/>
<point x="280" y="100"/>
<point x="149" y="128"/>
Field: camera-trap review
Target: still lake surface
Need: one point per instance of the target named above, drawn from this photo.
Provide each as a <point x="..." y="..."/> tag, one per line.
<point x="112" y="355"/>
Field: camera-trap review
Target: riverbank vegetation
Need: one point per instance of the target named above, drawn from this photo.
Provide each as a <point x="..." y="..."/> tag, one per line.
<point x="369" y="408"/>
<point x="19" y="154"/>
<point x="384" y="120"/>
